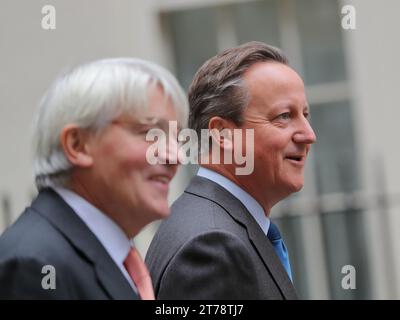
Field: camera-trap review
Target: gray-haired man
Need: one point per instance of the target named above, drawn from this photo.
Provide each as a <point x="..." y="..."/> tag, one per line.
<point x="96" y="188"/>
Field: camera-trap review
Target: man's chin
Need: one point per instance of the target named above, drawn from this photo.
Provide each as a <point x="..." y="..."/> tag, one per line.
<point x="298" y="187"/>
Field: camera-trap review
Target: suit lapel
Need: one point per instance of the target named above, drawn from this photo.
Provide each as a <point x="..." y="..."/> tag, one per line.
<point x="214" y="192"/>
<point x="271" y="260"/>
<point x="53" y="208"/>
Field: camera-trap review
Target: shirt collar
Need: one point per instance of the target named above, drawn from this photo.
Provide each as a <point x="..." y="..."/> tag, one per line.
<point x="105" y="229"/>
<point x="248" y="201"/>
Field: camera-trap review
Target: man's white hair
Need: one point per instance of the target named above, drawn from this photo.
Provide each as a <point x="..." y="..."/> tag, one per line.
<point x="90" y="96"/>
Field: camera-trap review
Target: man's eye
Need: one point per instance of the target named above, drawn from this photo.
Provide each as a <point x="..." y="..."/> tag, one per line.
<point x="144" y="131"/>
<point x="284" y="116"/>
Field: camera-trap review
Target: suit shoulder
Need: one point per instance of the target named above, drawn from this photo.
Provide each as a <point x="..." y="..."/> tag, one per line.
<point x="192" y="215"/>
<point x="29" y="249"/>
<point x="32" y="236"/>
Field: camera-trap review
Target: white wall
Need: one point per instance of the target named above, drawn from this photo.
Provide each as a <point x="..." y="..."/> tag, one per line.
<point x="374" y="67"/>
<point x="32" y="57"/>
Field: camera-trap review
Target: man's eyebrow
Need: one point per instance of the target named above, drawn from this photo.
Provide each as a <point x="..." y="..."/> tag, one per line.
<point x="149" y="120"/>
<point x="158" y="122"/>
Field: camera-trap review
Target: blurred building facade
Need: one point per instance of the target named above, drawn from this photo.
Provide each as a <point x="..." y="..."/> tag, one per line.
<point x="349" y="210"/>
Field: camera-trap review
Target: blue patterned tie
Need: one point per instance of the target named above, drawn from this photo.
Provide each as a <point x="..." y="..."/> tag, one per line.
<point x="275" y="237"/>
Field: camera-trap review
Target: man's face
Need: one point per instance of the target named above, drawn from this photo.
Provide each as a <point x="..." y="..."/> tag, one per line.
<point x="278" y="113"/>
<point x="123" y="184"/>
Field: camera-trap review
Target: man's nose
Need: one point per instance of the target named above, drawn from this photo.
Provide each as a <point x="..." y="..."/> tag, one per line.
<point x="305" y="133"/>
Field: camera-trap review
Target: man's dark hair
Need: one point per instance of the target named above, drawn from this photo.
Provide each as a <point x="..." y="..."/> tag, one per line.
<point x="218" y="89"/>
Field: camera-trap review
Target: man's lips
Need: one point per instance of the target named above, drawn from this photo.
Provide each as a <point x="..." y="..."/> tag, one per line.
<point x="296" y="159"/>
<point x="161" y="180"/>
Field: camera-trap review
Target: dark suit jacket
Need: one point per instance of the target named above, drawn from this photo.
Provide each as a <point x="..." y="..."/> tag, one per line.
<point x="212" y="248"/>
<point x="50" y="233"/>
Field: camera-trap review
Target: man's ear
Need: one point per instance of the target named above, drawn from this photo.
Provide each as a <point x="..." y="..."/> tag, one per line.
<point x="74" y="143"/>
<point x="221" y="131"/>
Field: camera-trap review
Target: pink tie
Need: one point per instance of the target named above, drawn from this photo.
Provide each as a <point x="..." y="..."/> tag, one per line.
<point x="139" y="274"/>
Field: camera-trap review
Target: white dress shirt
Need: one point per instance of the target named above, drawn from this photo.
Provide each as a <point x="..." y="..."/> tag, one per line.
<point x="248" y="201"/>
<point x="105" y="229"/>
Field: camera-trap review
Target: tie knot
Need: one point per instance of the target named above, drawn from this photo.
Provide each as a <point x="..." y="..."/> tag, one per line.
<point x="139" y="274"/>
<point x="134" y="263"/>
<point x="273" y="232"/>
